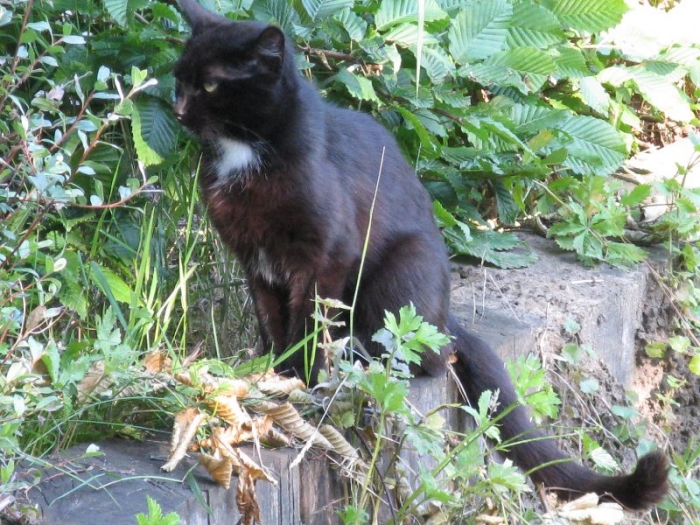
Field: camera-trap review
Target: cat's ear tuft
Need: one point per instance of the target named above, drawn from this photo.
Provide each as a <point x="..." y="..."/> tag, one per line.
<point x="270" y="45"/>
<point x="196" y="15"/>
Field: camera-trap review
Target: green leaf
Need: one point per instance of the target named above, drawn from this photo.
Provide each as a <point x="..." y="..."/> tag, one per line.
<point x="525" y="68"/>
<point x="320" y="9"/>
<point x="493" y="247"/>
<point x="279" y="12"/>
<point x="393" y="12"/>
<point x="596" y="147"/>
<point x="694" y="365"/>
<point x="480" y="30"/>
<point x="656" y="349"/>
<point x="594" y="95"/>
<point x="533" y="26"/>
<point x="154" y="130"/>
<point x="571" y="63"/>
<point x="661" y="93"/>
<point x="106" y="277"/>
<point x="679" y="343"/>
<point x="623" y="254"/>
<point x="623" y="412"/>
<point x="409" y="35"/>
<point x="589" y="16"/>
<point x="530" y="118"/>
<point x="436" y="63"/>
<point x="639" y="194"/>
<point x="359" y="87"/>
<point x="353" y="24"/>
<point x="123" y="10"/>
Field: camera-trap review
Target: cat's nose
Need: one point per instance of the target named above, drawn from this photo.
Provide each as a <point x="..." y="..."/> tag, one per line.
<point x="179" y="108"/>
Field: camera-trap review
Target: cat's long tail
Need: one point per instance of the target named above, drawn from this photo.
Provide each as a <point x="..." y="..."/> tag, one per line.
<point x="479" y="369"/>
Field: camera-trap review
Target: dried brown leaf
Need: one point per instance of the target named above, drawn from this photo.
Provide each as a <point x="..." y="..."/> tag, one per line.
<point x="184" y="378"/>
<point x="227" y="408"/>
<point x="157" y="361"/>
<point x="233" y="388"/>
<point x="93" y="382"/>
<point x="286" y="416"/>
<point x="34" y="319"/>
<point x="219" y="468"/>
<point x="280" y="386"/>
<point x="247" y="500"/>
<point x="184" y="428"/>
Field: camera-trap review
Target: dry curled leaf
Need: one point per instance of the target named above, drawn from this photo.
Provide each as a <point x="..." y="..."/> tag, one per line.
<point x="157" y="361"/>
<point x="351" y="461"/>
<point x="185" y="427"/>
<point x="93" y="382"/>
<point x="281" y="386"/>
<point x="247" y="500"/>
<point x="229" y="409"/>
<point x="220" y="468"/>
<point x="233" y="388"/>
<point x="286" y="416"/>
<point x="586" y="511"/>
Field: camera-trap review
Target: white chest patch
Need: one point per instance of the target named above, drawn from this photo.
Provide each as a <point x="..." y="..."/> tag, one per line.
<point x="268" y="270"/>
<point x="235" y="157"/>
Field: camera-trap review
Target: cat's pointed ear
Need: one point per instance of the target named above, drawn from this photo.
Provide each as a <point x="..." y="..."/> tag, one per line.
<point x="196" y="15"/>
<point x="270" y="45"/>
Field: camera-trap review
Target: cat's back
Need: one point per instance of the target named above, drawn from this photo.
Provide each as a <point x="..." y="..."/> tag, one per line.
<point x="362" y="150"/>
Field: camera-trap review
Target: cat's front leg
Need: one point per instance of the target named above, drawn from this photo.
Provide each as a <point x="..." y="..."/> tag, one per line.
<point x="304" y="289"/>
<point x="271" y="311"/>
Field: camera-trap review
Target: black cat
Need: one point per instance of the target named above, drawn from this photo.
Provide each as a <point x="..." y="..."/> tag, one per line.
<point x="289" y="180"/>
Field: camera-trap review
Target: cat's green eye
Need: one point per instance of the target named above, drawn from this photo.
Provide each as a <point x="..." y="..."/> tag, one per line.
<point x="210" y="87"/>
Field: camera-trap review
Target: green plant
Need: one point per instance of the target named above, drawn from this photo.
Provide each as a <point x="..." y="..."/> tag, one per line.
<point x="155" y="515"/>
<point x="507" y="108"/>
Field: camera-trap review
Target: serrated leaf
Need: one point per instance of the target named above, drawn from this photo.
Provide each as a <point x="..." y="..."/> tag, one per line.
<point x="409" y="35"/>
<point x="525" y="68"/>
<point x="603" y="459"/>
<point x="320" y="9"/>
<point x="393" y="12"/>
<point x="123" y="10"/>
<point x="480" y="30"/>
<point x="589" y="16"/>
<point x="353" y="24"/>
<point x="571" y="63"/>
<point x="154" y="130"/>
<point x="436" y="63"/>
<point x="661" y="93"/>
<point x="619" y="253"/>
<point x="594" y="95"/>
<point x="494" y="248"/>
<point x="507" y="209"/>
<point x="426" y="139"/>
<point x="359" y="87"/>
<point x="534" y="26"/>
<point x="529" y="118"/>
<point x="279" y="12"/>
<point x="639" y="194"/>
<point x="595" y="146"/>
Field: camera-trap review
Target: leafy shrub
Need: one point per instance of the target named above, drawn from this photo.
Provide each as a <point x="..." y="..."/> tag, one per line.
<point x="506" y="108"/>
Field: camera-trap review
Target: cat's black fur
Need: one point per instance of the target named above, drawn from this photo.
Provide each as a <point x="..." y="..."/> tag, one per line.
<point x="289" y="180"/>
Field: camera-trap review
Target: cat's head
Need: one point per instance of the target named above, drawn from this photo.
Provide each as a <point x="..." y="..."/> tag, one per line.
<point x="233" y="78"/>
